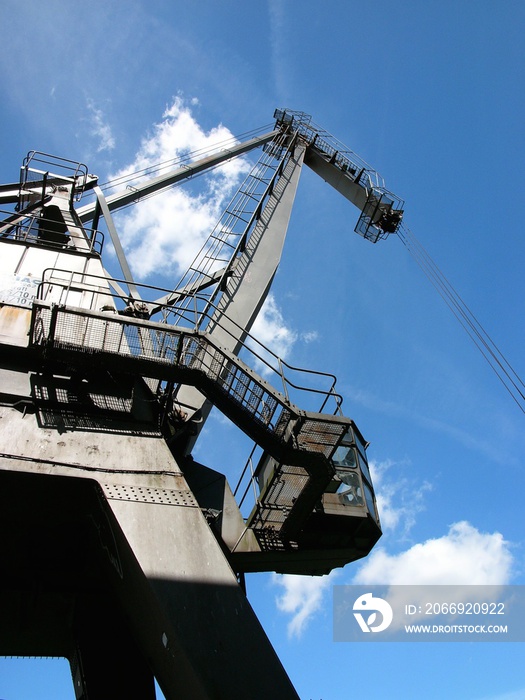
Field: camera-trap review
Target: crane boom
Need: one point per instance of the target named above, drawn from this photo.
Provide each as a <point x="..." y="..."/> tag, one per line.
<point x="381" y="210"/>
<point x="172" y="177"/>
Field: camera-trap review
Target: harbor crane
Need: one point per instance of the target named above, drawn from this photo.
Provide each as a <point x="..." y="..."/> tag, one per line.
<point x="120" y="551"/>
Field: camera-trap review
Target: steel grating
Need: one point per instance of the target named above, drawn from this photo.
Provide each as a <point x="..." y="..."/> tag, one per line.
<point x="321" y="435"/>
<point x="279" y="498"/>
<point x="288" y="485"/>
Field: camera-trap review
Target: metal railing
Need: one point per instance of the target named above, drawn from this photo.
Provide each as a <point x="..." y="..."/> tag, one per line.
<point x="69" y="171"/>
<point x="316" y="136"/>
<point x="93" y="339"/>
<point x="296" y="445"/>
<point x="379" y="199"/>
<point x="313" y="389"/>
<point x="29" y="228"/>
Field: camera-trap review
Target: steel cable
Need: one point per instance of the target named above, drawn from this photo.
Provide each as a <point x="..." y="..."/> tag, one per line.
<point x="156" y="168"/>
<point x="495" y="358"/>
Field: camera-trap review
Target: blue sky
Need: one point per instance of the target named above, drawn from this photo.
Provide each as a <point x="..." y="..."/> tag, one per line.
<point x="431" y="94"/>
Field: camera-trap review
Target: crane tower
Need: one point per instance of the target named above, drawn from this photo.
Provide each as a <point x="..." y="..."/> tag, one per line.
<point x="119" y="550"/>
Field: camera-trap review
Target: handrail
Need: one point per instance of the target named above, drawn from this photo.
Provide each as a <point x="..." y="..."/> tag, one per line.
<point x="66" y="279"/>
<point x="241" y="244"/>
<point x="31" y="228"/>
<point x="315" y="135"/>
<point x="77" y="173"/>
<point x="346" y="160"/>
<point x="290" y="434"/>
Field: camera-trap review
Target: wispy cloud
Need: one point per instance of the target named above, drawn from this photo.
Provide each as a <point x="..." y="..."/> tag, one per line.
<point x="486" y="446"/>
<point x="399" y="500"/>
<point x="100" y="128"/>
<point x="271" y="330"/>
<point x="310" y="336"/>
<point x="278" y="47"/>
<point x="301" y="597"/>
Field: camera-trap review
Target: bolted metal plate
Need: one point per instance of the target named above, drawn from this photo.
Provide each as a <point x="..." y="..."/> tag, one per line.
<point x="145" y="494"/>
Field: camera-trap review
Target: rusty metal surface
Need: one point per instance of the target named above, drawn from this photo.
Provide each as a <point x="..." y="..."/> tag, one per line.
<point x="14" y="325"/>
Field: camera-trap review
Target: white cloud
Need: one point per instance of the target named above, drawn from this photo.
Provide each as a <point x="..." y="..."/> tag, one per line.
<point x="398" y="500"/>
<point x="99" y="127"/>
<point x="310" y="336"/>
<point x="302" y="598"/>
<point x="163" y="234"/>
<point x="462" y="556"/>
<point x="270" y="329"/>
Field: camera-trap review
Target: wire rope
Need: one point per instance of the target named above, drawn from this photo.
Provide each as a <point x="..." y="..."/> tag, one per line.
<point x="495" y="358"/>
<point x="190" y="156"/>
<point x="150" y="170"/>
